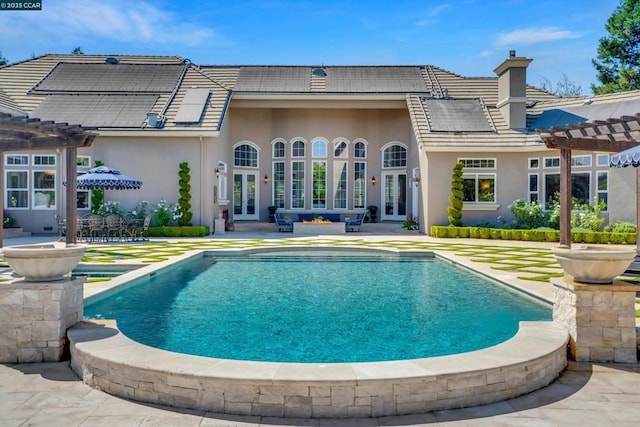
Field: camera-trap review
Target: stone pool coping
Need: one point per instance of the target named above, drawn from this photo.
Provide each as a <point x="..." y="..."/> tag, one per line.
<point x="105" y="358"/>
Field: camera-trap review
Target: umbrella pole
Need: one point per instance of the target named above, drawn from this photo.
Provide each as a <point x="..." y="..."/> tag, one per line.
<point x="637" y="209"/>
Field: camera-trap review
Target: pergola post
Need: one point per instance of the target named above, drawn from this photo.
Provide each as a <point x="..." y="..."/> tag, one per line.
<point x="565" y="198"/>
<point x="72" y="195"/>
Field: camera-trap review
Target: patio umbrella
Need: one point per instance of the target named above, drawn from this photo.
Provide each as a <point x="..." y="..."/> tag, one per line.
<point x="106" y="178"/>
<point x="630" y="157"/>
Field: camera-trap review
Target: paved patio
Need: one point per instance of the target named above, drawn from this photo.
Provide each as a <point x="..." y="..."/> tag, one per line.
<point x="50" y="394"/>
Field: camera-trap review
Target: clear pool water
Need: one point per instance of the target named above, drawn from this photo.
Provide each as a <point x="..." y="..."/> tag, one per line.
<point x="318" y="307"/>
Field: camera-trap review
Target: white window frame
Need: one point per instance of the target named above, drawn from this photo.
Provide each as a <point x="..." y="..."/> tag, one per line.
<point x="313" y="184"/>
<point x="477" y="176"/>
<point x="363" y="183"/>
<point x="252" y="145"/>
<point x="366" y="148"/>
<point x="534" y="159"/>
<point x="302" y="181"/>
<point x="83" y="159"/>
<point x="273" y="148"/>
<point x="391" y="145"/>
<point x="34" y="190"/>
<point x="336" y="181"/>
<point x="530" y="192"/>
<point x="42" y="156"/>
<point x="304" y="145"/>
<point x="274" y="182"/>
<point x="345" y="152"/>
<point x="551" y="159"/>
<point x="602" y="160"/>
<point x="472" y="166"/>
<point x="602" y="192"/>
<point x="587" y="160"/>
<point x="16" y="155"/>
<point x="323" y="152"/>
<point x="7" y="189"/>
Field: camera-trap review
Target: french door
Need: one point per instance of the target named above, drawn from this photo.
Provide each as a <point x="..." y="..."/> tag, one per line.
<point x="245" y="195"/>
<point x="395" y="196"/>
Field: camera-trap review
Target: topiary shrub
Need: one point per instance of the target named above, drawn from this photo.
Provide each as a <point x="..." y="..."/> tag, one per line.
<point x="184" y="231"/>
<point x="463" y="232"/>
<point x="185" y="194"/>
<point x="455" y="199"/>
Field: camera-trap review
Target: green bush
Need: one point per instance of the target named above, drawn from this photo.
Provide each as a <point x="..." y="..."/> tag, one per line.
<point x="529" y="215"/>
<point x="474" y="232"/>
<point x="182" y="231"/>
<point x="452" y="231"/>
<point x="621" y="227"/>
<point x="455" y="199"/>
<point x="484" y="232"/>
<point x="463" y="232"/>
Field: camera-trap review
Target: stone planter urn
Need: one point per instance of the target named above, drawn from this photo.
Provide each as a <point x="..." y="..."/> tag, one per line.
<point x="43" y="262"/>
<point x="592" y="264"/>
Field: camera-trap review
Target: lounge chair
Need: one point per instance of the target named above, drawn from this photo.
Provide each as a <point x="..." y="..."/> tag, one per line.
<point x="283" y="223"/>
<point x="354" y="224"/>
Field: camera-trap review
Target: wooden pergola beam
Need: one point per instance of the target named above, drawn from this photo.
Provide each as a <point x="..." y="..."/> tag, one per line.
<point x="23" y="133"/>
<point x="612" y="135"/>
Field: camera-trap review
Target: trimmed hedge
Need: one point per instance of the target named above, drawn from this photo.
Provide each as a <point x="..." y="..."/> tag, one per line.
<point x="181" y="231"/>
<point x="535" y="235"/>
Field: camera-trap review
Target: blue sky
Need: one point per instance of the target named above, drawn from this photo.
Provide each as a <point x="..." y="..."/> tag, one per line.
<point x="468" y="37"/>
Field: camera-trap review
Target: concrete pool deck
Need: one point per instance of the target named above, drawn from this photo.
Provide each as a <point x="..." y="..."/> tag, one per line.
<point x="577" y="397"/>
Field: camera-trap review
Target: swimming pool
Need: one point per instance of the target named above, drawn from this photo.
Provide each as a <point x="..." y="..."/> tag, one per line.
<point x="318" y="307"/>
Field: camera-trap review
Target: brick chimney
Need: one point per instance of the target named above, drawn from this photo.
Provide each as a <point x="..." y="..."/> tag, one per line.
<point x="512" y="89"/>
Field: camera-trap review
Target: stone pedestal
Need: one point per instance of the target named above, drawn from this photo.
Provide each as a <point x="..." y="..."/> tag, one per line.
<point x="600" y="319"/>
<point x="218" y="226"/>
<point x="35" y="316"/>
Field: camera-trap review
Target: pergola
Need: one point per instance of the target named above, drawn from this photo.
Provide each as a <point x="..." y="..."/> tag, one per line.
<point x="18" y="133"/>
<point x="612" y="135"/>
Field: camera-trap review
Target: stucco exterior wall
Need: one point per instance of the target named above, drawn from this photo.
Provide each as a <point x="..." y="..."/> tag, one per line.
<point x="378" y="127"/>
<point x="622" y="194"/>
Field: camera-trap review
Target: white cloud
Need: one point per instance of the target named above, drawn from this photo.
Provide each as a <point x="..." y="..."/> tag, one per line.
<point x="530" y="36"/>
<point x="81" y="22"/>
<point x="433" y="12"/>
<point x="486" y="53"/>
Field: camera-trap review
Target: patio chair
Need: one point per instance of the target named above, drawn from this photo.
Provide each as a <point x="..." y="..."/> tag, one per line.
<point x="283" y="223"/>
<point x="129" y="222"/>
<point x="140" y="229"/>
<point x="112" y="227"/>
<point x="355" y="223"/>
<point x="95" y="227"/>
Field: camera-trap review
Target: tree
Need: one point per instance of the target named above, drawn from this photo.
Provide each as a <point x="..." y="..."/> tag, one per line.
<point x="618" y="62"/>
<point x="185" y="194"/>
<point x="455" y="199"/>
<point x="77" y="51"/>
<point x="564" y="87"/>
<point x="3" y="60"/>
<point x="97" y="196"/>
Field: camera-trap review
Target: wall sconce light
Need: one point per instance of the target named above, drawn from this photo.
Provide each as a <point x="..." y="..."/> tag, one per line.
<point x="217" y="173"/>
<point x="266" y="179"/>
<point x="373" y="180"/>
<point x="416" y="180"/>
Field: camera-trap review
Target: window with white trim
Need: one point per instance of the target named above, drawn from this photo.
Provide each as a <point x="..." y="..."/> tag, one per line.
<point x="582" y="161"/>
<point x="533" y="191"/>
<point x="478" y="163"/>
<point x="603" y="160"/>
<point x="44" y="160"/>
<point x="340" y="184"/>
<point x="359" y="185"/>
<point x="278" y="150"/>
<point x="479" y="188"/>
<point x="298" y="149"/>
<point x="245" y="155"/>
<point x="340" y="149"/>
<point x="394" y="156"/>
<point x="551" y="162"/>
<point x="16" y="159"/>
<point x="534" y="163"/>
<point x="44" y="189"/>
<point x="319" y="149"/>
<point x="319" y="185"/>
<point x="83" y="161"/>
<point x="603" y="187"/>
<point x="278" y="184"/>
<point x="16" y="184"/>
<point x="360" y="150"/>
<point x="297" y="185"/>
<point x="83" y="200"/>
<point x="580" y="187"/>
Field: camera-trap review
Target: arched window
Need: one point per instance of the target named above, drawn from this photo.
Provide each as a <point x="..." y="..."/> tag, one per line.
<point x="340" y="149"/>
<point x="319" y="149"/>
<point x="360" y="150"/>
<point x="394" y="156"/>
<point x="298" y="149"/>
<point x="278" y="149"/>
<point x="245" y="155"/>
